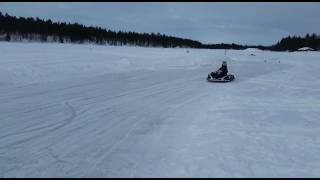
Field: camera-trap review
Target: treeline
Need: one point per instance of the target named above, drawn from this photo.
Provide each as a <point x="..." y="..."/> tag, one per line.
<point x="294" y="43"/>
<point x="13" y="28"/>
<point x="285" y="44"/>
<point x="35" y="29"/>
<point x="232" y="46"/>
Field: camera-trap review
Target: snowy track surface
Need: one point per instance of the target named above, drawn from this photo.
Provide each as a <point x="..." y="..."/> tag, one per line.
<point x="98" y="111"/>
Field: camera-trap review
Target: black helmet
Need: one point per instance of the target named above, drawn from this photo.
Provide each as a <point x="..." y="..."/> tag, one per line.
<point x="224" y="63"/>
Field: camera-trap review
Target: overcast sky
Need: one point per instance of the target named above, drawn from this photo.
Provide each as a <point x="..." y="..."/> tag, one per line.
<point x="209" y="22"/>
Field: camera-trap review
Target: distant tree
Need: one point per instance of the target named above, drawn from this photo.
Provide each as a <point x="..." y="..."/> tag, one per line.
<point x="61" y="39"/>
<point x="54" y="38"/>
<point x="8" y="37"/>
<point x="44" y="38"/>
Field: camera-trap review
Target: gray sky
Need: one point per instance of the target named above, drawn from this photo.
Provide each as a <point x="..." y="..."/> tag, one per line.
<point x="208" y="22"/>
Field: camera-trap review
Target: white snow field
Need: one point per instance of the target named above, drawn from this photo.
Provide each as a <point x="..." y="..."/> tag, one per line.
<point x="102" y="111"/>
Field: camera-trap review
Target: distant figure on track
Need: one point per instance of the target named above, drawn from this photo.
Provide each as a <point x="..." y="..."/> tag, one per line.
<point x="221" y="75"/>
<point x="221" y="72"/>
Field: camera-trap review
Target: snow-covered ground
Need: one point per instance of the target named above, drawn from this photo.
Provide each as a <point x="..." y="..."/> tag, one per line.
<point x="102" y="111"/>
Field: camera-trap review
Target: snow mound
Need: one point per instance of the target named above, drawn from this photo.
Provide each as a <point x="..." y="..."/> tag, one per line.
<point x="252" y="50"/>
<point x="305" y="49"/>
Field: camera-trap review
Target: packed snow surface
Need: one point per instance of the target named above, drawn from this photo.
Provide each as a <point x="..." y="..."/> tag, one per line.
<point x="103" y="111"/>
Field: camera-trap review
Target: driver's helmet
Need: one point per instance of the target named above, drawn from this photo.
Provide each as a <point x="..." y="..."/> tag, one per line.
<point x="224" y="63"/>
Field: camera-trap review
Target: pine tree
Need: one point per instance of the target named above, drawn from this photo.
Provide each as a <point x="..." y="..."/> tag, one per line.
<point x="61" y="39"/>
<point x="8" y="37"/>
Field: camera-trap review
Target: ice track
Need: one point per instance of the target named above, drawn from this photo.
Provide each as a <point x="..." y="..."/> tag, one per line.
<point x="148" y="119"/>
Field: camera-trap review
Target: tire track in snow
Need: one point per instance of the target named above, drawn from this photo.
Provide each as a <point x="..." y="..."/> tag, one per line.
<point x="163" y="108"/>
<point x="113" y="102"/>
<point x="137" y="94"/>
<point x="51" y="129"/>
